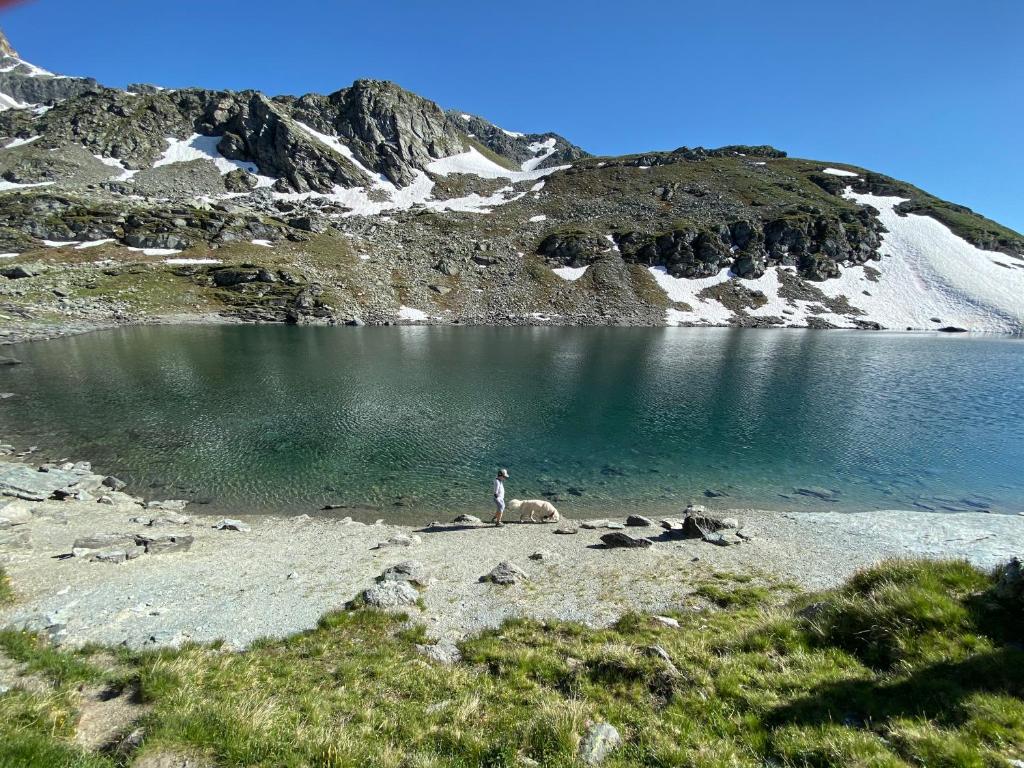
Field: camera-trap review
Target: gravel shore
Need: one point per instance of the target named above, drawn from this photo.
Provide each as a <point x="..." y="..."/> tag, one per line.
<point x="281" y="575"/>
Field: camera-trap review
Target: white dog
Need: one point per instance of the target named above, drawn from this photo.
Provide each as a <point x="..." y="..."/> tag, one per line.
<point x="532" y="507"/>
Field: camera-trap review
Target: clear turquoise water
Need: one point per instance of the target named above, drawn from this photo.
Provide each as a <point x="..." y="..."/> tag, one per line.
<point x="411" y="423"/>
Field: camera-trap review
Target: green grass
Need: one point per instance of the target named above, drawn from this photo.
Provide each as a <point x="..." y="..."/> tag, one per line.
<point x="6" y="592"/>
<point x="908" y="664"/>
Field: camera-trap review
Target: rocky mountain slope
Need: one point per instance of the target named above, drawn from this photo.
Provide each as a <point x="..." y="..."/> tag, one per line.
<point x="372" y="204"/>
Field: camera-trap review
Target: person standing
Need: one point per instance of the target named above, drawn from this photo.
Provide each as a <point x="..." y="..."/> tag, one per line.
<point x="499" y="496"/>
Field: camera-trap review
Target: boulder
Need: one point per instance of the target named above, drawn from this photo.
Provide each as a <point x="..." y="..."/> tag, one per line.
<point x="505" y="573"/>
<point x="389" y="595"/>
<point x="617" y="539"/>
<point x="1010" y="585"/>
<point x="592" y="525"/>
<point x="410" y="571"/>
<point x="599" y="741"/>
<point x="444" y="652"/>
<point x="229" y="524"/>
<point x="666" y="621"/>
<point x="113" y="483"/>
<point x="467" y="520"/>
<point x="639" y="521"/>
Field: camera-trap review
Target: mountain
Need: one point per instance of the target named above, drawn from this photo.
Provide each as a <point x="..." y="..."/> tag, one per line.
<point x="373" y="204"/>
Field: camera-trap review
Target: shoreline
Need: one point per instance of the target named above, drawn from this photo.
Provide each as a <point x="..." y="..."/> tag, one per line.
<point x="282" y="574"/>
<point x="24" y="333"/>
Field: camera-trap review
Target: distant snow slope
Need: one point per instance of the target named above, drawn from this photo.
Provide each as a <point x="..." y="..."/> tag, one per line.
<point x="928" y="278"/>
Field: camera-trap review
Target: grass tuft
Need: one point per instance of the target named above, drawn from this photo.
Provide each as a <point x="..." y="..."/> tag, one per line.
<point x="908" y="664"/>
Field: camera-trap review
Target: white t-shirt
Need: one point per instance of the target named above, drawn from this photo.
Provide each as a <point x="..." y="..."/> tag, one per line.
<point x="499" y="489"/>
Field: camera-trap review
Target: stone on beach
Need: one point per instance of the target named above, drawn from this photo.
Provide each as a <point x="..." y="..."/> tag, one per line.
<point x="171" y="505"/>
<point x="410" y="571"/>
<point x="567" y="530"/>
<point x="113" y="483"/>
<point x="164" y="544"/>
<point x="400" y="540"/>
<point x="467" y="520"/>
<point x="639" y="521"/>
<point x="505" y="573"/>
<point x="617" y="539"/>
<point x="592" y="525"/>
<point x="14" y="513"/>
<point x="26" y="483"/>
<point x="230" y="524"/>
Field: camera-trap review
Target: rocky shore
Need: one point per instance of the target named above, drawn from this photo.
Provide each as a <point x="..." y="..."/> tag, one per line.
<point x="89" y="563"/>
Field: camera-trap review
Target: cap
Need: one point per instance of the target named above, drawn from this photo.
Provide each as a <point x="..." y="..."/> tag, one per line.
<point x="503" y="472"/>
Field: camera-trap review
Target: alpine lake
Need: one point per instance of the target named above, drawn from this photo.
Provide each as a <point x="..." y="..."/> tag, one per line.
<point x="410" y="424"/>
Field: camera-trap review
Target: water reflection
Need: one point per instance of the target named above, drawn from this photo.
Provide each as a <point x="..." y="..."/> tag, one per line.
<point x="402" y="419"/>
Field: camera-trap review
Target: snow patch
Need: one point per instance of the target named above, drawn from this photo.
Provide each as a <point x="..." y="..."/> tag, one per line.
<point x="9" y="255"/>
<point x="155" y="251"/>
<point x="474" y="163"/>
<point x="685" y="290"/>
<point x="21" y="142"/>
<point x="838" y="172"/>
<point x="264" y="243"/>
<point x="412" y="314"/>
<point x="59" y="243"/>
<point x="197" y="147"/>
<point x="185" y="261"/>
<point x="93" y="243"/>
<point x="538" y="217"/>
<point x="571" y="273"/>
<point x="6" y="186"/>
<point x="113" y="162"/>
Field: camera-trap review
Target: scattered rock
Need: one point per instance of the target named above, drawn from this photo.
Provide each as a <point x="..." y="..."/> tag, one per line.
<point x="400" y="540"/>
<point x="115" y="555"/>
<point x="543" y="555"/>
<point x="592" y="525"/>
<point x="467" y="520"/>
<point x="617" y="539"/>
<point x="114" y="484"/>
<point x="230" y="524"/>
<point x="171" y="505"/>
<point x="444" y="652"/>
<point x="14" y="513"/>
<point x="104" y="541"/>
<point x="1010" y="585"/>
<point x="599" y="742"/>
<point x="390" y="594"/>
<point x="639" y="521"/>
<point x="668" y="621"/>
<point x="567" y="530"/>
<point x="410" y="571"/>
<point x="505" y="573"/>
<point x="615" y="526"/>
<point x="157" y="545"/>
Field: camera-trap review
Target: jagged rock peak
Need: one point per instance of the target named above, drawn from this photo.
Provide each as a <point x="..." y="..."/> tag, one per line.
<point x="5" y="46"/>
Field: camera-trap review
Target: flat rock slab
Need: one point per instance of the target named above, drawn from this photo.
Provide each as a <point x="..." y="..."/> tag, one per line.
<point x="639" y="521"/>
<point x="27" y="483"/>
<point x="617" y="539"/>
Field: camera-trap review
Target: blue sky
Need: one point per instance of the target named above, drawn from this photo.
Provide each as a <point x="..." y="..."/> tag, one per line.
<point x="927" y="91"/>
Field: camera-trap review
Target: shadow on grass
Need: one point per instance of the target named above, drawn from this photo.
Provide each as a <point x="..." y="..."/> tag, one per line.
<point x="935" y="692"/>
